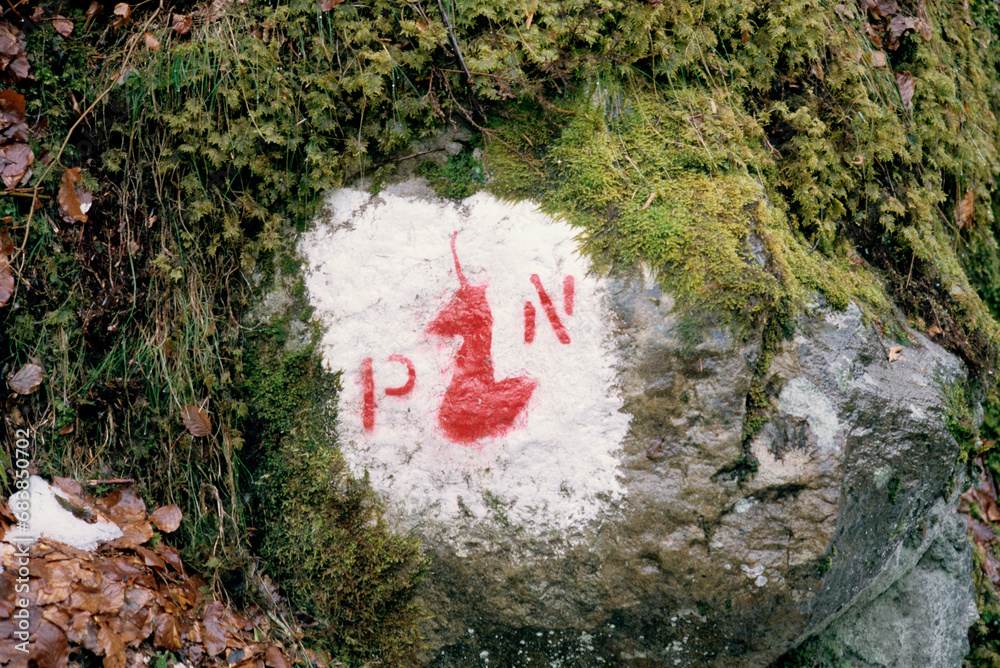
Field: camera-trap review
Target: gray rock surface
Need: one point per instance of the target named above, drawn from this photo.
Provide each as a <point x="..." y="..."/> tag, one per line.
<point x="922" y="619"/>
<point x="699" y="568"/>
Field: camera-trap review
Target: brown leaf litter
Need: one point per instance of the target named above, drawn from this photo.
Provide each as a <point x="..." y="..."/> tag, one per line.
<point x="130" y="595"/>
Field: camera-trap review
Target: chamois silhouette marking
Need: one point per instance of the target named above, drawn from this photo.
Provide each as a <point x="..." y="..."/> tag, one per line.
<point x="475" y="405"/>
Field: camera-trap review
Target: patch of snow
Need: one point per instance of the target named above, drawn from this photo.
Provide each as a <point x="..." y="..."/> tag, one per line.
<point x="51" y="521"/>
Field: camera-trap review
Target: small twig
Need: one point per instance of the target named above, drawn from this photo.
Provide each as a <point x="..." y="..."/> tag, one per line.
<point x="454" y="42"/>
<point x="392" y="161"/>
<point x="815" y="245"/>
<point x="488" y="132"/>
<point x="22" y="193"/>
<point x="111" y="481"/>
<point x="407" y="157"/>
<point x="909" y="274"/>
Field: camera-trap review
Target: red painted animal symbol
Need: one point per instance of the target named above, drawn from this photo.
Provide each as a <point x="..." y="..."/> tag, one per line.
<point x="476" y="405"/>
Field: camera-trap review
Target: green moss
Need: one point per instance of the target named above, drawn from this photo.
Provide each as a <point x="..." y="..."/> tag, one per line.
<point x="893" y="488"/>
<point x="824" y="565"/>
<point x="461" y="176"/>
<point x="325" y="540"/>
<point x="960" y="420"/>
<point x="813" y="653"/>
<point x="650" y="187"/>
<point x="985" y="632"/>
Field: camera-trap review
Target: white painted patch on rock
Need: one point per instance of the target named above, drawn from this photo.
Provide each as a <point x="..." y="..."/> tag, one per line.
<point x="450" y="402"/>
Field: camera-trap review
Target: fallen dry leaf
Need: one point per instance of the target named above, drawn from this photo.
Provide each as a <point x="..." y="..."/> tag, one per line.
<point x="327" y="5"/>
<point x="16" y="131"/>
<point x="62" y="25"/>
<point x="171" y="556"/>
<point x="69" y="200"/>
<point x="11" y="107"/>
<point x="123" y="506"/>
<point x="844" y="11"/>
<point x="924" y="28"/>
<point x="274" y="659"/>
<point x="196" y="421"/>
<point x="13" y="57"/>
<point x="27" y="380"/>
<point x="19" y="68"/>
<point x="877" y="59"/>
<point x="14" y="162"/>
<point x="982" y="532"/>
<point x="817" y="70"/>
<point x="167" y="518"/>
<point x="167" y="634"/>
<point x="6" y="243"/>
<point x="894" y="353"/>
<point x="887" y="7"/>
<point x="873" y="35"/>
<point x="106" y="598"/>
<point x="965" y="211"/>
<point x="990" y="509"/>
<point x="181" y="24"/>
<point x="906" y="84"/>
<point x="216" y="628"/>
<point x="50" y="647"/>
<point x="184" y="594"/>
<point x="109" y="637"/>
<point x="151" y="41"/>
<point x="93" y="9"/>
<point x="150" y="558"/>
<point x="6" y="280"/>
<point x="133" y="534"/>
<point x="124" y="13"/>
<point x="900" y="25"/>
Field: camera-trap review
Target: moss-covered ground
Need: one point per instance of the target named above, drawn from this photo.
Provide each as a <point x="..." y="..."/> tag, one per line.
<point x="752" y="154"/>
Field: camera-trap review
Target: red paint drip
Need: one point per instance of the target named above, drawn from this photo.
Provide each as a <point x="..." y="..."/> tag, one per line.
<point x="550" y="310"/>
<point x="368" y="393"/>
<point x="411" y="378"/>
<point x="569" y="294"/>
<point x="476" y="405"/>
<point x="529" y="322"/>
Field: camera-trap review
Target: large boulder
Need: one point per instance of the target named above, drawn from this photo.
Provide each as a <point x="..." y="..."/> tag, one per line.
<point x="619" y="508"/>
<point x="922" y="618"/>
